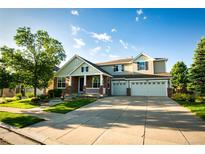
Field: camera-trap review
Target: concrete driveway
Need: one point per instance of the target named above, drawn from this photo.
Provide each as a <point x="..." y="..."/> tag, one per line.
<point x="124" y="120"/>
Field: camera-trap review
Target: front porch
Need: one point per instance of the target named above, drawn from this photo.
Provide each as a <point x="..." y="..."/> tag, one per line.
<point x="88" y="85"/>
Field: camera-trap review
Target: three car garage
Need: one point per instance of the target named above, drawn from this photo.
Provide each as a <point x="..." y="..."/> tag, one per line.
<point x="140" y="87"/>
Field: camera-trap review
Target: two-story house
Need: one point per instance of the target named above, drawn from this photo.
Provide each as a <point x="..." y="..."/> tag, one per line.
<point x="139" y="76"/>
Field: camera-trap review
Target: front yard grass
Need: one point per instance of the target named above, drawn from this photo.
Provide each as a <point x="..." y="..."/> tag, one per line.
<point x="18" y="120"/>
<point x="23" y="104"/>
<point x="197" y="108"/>
<point x="69" y="106"/>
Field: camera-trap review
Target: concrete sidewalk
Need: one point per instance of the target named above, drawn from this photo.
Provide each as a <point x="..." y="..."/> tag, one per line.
<point x="123" y="120"/>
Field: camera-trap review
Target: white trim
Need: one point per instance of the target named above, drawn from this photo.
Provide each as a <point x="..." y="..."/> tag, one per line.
<point x="163" y="78"/>
<point x="61" y="83"/>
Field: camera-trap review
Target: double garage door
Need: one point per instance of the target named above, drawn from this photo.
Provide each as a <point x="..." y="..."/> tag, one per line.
<point x="140" y="88"/>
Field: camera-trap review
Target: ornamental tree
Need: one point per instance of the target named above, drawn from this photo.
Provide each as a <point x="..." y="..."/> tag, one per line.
<point x="36" y="57"/>
<point x="179" y="76"/>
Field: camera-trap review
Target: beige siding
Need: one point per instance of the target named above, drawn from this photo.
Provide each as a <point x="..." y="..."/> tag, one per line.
<point x="159" y="67"/>
<point x="91" y="71"/>
<point x="69" y="68"/>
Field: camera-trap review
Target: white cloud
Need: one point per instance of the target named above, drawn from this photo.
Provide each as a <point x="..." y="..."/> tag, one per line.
<point x="134" y="48"/>
<point x="107" y="49"/>
<point x="95" y="50"/>
<point x="137" y="19"/>
<point x="79" y="43"/>
<point x="124" y="44"/>
<point x="113" y="30"/>
<point x="144" y="17"/>
<point x="111" y="56"/>
<point x="74" y="12"/>
<point x="102" y="37"/>
<point x="139" y="12"/>
<point x="75" y="29"/>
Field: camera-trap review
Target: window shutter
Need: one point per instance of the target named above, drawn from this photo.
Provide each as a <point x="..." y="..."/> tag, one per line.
<point x="87" y="69"/>
<point x="82" y="69"/>
<point x="146" y="65"/>
<point x="138" y="66"/>
<point x="122" y="68"/>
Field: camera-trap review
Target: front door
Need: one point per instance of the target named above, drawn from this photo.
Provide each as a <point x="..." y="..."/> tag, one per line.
<point x="81" y="83"/>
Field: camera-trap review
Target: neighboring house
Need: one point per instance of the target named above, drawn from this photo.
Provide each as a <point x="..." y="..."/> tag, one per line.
<point x="139" y="76"/>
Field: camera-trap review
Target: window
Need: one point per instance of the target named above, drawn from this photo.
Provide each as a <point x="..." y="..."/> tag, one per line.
<point x="61" y="82"/>
<point x="118" y="68"/>
<point x="96" y="82"/>
<point x="84" y="69"/>
<point x="142" y="65"/>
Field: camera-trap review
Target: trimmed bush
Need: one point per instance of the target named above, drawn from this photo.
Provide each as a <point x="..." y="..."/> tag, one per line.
<point x="42" y="97"/>
<point x="55" y="93"/>
<point x="18" y="96"/>
<point x="183" y="97"/>
<point x="200" y="99"/>
<point x="29" y="94"/>
<point x="35" y="100"/>
<point x="11" y="99"/>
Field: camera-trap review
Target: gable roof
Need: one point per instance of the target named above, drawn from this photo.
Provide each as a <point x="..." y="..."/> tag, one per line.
<point x="143" y="54"/>
<point x="118" y="61"/>
<point x="95" y="66"/>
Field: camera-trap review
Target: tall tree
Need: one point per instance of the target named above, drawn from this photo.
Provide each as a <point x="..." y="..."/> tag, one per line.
<point x="179" y="76"/>
<point x="36" y="57"/>
<point x="197" y="71"/>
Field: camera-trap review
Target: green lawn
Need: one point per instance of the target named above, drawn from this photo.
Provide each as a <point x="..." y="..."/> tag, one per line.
<point x="197" y="108"/>
<point x="24" y="104"/>
<point x="69" y="106"/>
<point x="17" y="119"/>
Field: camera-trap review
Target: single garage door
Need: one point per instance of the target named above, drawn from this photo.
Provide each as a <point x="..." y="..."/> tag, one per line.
<point x="119" y="88"/>
<point x="149" y="88"/>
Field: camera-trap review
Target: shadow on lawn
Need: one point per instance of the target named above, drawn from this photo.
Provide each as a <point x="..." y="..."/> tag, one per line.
<point x="119" y="112"/>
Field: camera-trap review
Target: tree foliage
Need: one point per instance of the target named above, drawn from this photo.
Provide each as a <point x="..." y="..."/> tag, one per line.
<point x="197" y="71"/>
<point x="36" y="57"/>
<point x="179" y="76"/>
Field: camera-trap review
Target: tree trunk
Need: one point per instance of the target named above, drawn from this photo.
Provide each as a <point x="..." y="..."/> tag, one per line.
<point x="1" y="92"/>
<point x="35" y="91"/>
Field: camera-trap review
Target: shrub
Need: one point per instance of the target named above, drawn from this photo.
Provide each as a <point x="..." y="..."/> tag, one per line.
<point x="50" y="93"/>
<point x="200" y="99"/>
<point x="35" y="100"/>
<point x="29" y="94"/>
<point x="55" y="93"/>
<point x="183" y="97"/>
<point x="11" y="99"/>
<point x="42" y="97"/>
<point x="18" y="96"/>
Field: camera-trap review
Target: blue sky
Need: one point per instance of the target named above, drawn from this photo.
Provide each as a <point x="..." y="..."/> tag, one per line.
<point x="105" y="34"/>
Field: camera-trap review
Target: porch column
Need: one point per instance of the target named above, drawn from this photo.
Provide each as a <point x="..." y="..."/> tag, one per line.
<point x="84" y="86"/>
<point x="101" y="80"/>
<point x="101" y="85"/>
<point x="70" y="85"/>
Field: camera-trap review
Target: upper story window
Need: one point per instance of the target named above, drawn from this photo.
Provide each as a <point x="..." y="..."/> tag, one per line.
<point x="61" y="82"/>
<point x="85" y="69"/>
<point x="142" y="65"/>
<point x="118" y="68"/>
<point x="96" y="82"/>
